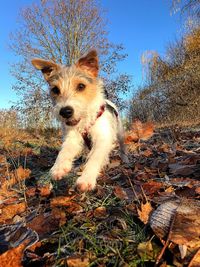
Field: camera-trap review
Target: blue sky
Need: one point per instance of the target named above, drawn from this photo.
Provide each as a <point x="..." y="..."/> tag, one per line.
<point x="139" y="25"/>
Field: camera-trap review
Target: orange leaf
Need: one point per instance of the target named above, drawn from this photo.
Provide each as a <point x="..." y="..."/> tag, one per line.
<point x="70" y="206"/>
<point x="30" y="192"/>
<point x="77" y="261"/>
<point x="139" y="131"/>
<point x="8" y="212"/>
<point x="60" y="201"/>
<point x="144" y="212"/>
<point x="13" y="257"/>
<point x="18" y="175"/>
<point x="45" y="190"/>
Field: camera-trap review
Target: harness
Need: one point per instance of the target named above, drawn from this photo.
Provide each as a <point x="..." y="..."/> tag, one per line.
<point x="85" y="134"/>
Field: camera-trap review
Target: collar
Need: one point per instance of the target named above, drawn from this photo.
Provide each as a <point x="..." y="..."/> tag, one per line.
<point x="85" y="133"/>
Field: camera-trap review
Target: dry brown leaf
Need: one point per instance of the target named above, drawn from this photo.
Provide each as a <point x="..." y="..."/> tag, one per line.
<point x="101" y="213"/>
<point x="77" y="261"/>
<point x="186" y="227"/>
<point x="152" y="187"/>
<point x="197" y="190"/>
<point x="195" y="262"/>
<point x="144" y="212"/>
<point x="16" y="176"/>
<point x="61" y="200"/>
<point x="120" y="193"/>
<point x="44" y="224"/>
<point x="70" y="206"/>
<point x="183" y="170"/>
<point x="30" y="192"/>
<point x="59" y="215"/>
<point x="147" y="153"/>
<point x="13" y="257"/>
<point x="45" y="190"/>
<point x="8" y="212"/>
<point x="139" y="131"/>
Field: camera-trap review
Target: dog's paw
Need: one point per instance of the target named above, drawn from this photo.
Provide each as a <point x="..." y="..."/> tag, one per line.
<point x="59" y="170"/>
<point x="83" y="184"/>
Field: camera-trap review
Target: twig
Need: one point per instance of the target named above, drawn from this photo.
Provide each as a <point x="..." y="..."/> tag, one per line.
<point x="143" y="193"/>
<point x="133" y="189"/>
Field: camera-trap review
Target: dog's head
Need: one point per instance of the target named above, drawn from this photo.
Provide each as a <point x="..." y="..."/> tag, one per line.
<point x="72" y="88"/>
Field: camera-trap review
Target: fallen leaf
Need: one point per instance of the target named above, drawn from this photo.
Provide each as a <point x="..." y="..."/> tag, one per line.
<point x="45" y="190"/>
<point x="139" y="131"/>
<point x="147" y="153"/>
<point x="195" y="262"/>
<point x="144" y="212"/>
<point x="77" y="261"/>
<point x="186" y="227"/>
<point x="30" y="192"/>
<point x="70" y="206"/>
<point x="152" y="187"/>
<point x="120" y="193"/>
<point x="197" y="190"/>
<point x="44" y="224"/>
<point x="17" y="176"/>
<point x="100" y="213"/>
<point x="61" y="200"/>
<point x="179" y="169"/>
<point x="13" y="257"/>
<point x="59" y="215"/>
<point x="8" y="212"/>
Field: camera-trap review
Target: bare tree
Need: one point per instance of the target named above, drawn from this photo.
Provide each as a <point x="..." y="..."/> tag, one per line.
<point x="62" y="31"/>
<point x="189" y="10"/>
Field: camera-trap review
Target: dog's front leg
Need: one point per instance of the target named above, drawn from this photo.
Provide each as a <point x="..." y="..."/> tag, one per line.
<point x="71" y="147"/>
<point x="97" y="158"/>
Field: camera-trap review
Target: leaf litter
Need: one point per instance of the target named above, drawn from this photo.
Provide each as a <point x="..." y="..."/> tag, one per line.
<point x="142" y="213"/>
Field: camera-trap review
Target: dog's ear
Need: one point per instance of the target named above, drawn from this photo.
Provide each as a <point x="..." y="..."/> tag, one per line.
<point x="45" y="66"/>
<point x="89" y="63"/>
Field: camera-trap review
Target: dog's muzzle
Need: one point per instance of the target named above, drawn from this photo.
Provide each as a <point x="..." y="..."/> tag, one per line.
<point x="67" y="113"/>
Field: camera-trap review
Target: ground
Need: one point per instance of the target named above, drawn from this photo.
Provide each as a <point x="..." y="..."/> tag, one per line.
<point x="144" y="213"/>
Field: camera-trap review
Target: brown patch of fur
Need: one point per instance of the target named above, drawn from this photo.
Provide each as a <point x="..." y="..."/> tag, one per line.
<point x="89" y="63"/>
<point x="45" y="66"/>
<point x="90" y="91"/>
<point x="87" y="94"/>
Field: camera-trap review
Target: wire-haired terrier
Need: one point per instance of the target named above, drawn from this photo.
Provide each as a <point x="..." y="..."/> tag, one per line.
<point x="79" y="103"/>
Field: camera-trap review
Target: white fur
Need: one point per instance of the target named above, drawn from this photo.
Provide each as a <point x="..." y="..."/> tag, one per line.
<point x="104" y="132"/>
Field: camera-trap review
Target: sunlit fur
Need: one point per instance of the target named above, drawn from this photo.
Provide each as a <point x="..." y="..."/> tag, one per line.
<point x="104" y="131"/>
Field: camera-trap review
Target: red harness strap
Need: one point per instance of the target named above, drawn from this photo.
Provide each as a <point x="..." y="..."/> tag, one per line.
<point x="85" y="134"/>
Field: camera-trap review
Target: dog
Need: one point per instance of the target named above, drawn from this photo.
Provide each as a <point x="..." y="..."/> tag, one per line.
<point x="79" y="103"/>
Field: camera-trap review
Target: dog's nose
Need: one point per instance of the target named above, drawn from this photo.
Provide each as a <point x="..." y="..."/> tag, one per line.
<point x="66" y="112"/>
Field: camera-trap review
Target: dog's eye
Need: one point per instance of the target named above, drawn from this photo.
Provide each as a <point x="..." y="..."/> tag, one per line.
<point x="80" y="87"/>
<point x="55" y="90"/>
